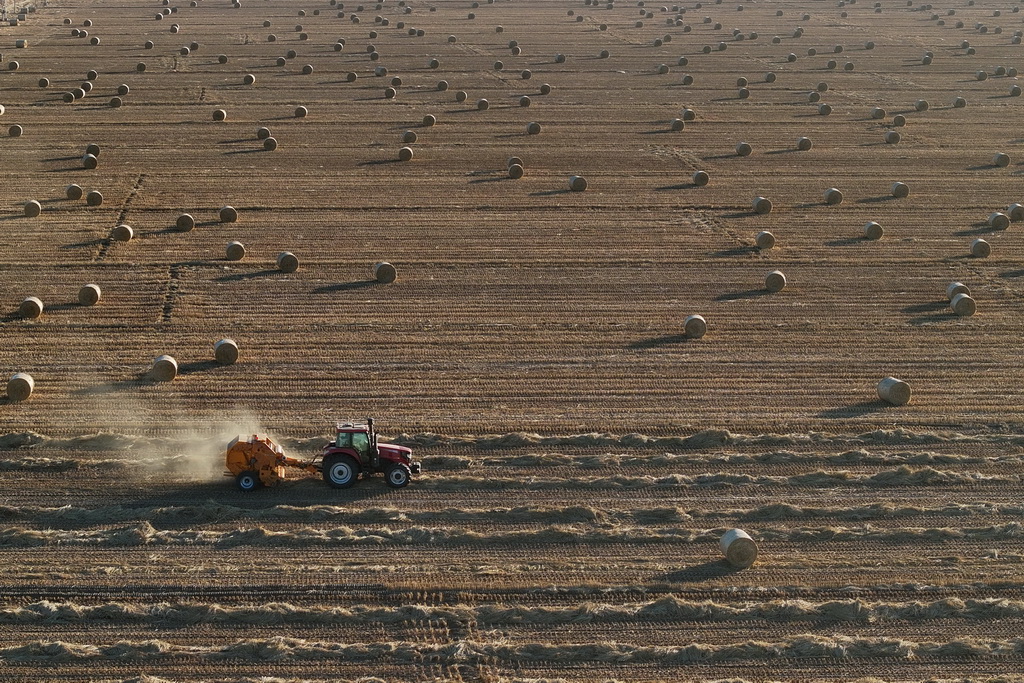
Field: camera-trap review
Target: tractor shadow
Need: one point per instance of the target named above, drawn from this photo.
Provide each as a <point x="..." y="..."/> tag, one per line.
<point x="854" y="410"/>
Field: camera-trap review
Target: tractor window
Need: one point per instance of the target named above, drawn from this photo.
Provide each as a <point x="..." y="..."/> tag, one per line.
<point x="361" y="443"/>
<point x="344" y="440"/>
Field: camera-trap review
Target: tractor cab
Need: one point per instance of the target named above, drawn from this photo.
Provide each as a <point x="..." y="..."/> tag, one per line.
<point x="359" y="438"/>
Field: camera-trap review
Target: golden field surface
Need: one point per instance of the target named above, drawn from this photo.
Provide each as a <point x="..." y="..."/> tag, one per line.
<point x="581" y="455"/>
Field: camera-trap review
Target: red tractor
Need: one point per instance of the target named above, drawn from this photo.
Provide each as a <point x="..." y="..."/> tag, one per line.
<point x="257" y="460"/>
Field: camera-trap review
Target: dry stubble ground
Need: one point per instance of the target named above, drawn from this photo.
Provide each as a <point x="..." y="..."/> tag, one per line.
<point x="890" y="536"/>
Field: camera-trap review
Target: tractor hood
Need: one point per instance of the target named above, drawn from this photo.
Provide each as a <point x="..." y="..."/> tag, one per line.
<point x="393" y="450"/>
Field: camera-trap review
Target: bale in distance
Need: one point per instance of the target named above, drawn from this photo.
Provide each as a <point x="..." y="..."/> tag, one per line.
<point x="287" y="262"/>
<point x="695" y="327"/>
<point x="997" y="220"/>
<point x="235" y="251"/>
<point x="762" y="205"/>
<point x="220" y="115"/>
<point x="429" y="120"/>
<point x="20" y="387"/>
<point x="894" y="391"/>
<point x="262" y="133"/>
<point x="545" y="89"/>
<point x="248" y="79"/>
<point x="963" y="305"/>
<point x="873" y="231"/>
<point x="483" y="105"/>
<point x="899" y="190"/>
<point x="33" y="208"/>
<point x="577" y="183"/>
<point x="515" y="171"/>
<point x="739" y="549"/>
<point x="804" y="144"/>
<point x="1001" y="160"/>
<point x="1015" y="212"/>
<point x="228" y="214"/>
<point x="31" y="307"/>
<point x="775" y="281"/>
<point x="270" y="144"/>
<point x="525" y="101"/>
<point x="743" y="149"/>
<point x="409" y="137"/>
<point x="980" y="248"/>
<point x="878" y="113"/>
<point x="833" y="196"/>
<point x="959" y="103"/>
<point x="824" y="109"/>
<point x="74" y="191"/>
<point x="89" y="295"/>
<point x="89" y="161"/>
<point x="122" y="233"/>
<point x="385" y="273"/>
<point x="185" y="222"/>
<point x="533" y="128"/>
<point x="701" y="178"/>
<point x="765" y="240"/>
<point x="954" y="288"/>
<point x="405" y="154"/>
<point x="164" y="368"/>
<point x="677" y="125"/>
<point x="225" y="351"/>
<point x="892" y="138"/>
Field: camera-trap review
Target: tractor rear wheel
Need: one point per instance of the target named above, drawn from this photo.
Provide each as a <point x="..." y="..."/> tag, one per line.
<point x="397" y="476"/>
<point x="341" y="472"/>
<point x="247" y="481"/>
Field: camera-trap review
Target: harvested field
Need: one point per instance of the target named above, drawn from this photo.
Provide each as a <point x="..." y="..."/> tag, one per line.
<point x="582" y="455"/>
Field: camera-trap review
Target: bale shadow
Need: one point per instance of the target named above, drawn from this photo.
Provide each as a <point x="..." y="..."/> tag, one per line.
<point x="742" y="214"/>
<point x="876" y="200"/>
<point x="844" y="242"/>
<point x="198" y="366"/>
<point x="235" y="142"/>
<point x="345" y="286"/>
<point x="736" y="251"/>
<point x="934" y="318"/>
<point x="380" y="162"/>
<point x="783" y="151"/>
<point x="141" y="379"/>
<point x="83" y="245"/>
<point x="71" y="158"/>
<point x="747" y="294"/>
<point x="235" y="277"/>
<point x="926" y="307"/>
<point x="1012" y="273"/>
<point x="681" y="186"/>
<point x="979" y="229"/>
<point x="981" y="167"/>
<point x="655" y="342"/>
<point x="549" y="193"/>
<point x="496" y="179"/>
<point x="245" y="151"/>
<point x="706" y="571"/>
<point x="854" y="410"/>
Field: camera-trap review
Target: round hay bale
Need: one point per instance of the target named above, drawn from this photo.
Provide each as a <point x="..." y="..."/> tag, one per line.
<point x="739" y="549"/>
<point x="525" y="101"/>
<point x="689" y="115"/>
<point x="804" y="144"/>
<point x="921" y="105"/>
<point x="762" y="205"/>
<point x="770" y="77"/>
<point x="1001" y="160"/>
<point x="15" y="131"/>
<point x="385" y="273"/>
<point x="270" y="144"/>
<point x="461" y="96"/>
<point x="122" y="233"/>
<point x="526" y="74"/>
<point x="31" y="307"/>
<point x="499" y="65"/>
<point x="515" y="171"/>
<point x="533" y="128"/>
<point x="741" y="82"/>
<point x="998" y="220"/>
<point x="20" y="387"/>
<point x="220" y="115"/>
<point x="894" y="391"/>
<point x="225" y="351"/>
<point x="433" y="64"/>
<point x="248" y="79"/>
<point x="89" y="161"/>
<point x="185" y="223"/>
<point x="351" y="77"/>
<point x="228" y="214"/>
<point x="545" y="89"/>
<point x="813" y="97"/>
<point x="1015" y="91"/>
<point x="140" y="67"/>
<point x="262" y="133"/>
<point x="164" y="368"/>
<point x="824" y="109"/>
<point x="765" y="240"/>
<point x="701" y="178"/>
<point x="281" y="61"/>
<point x="980" y="248"/>
<point x="307" y="69"/>
<point x="68" y="97"/>
<point x="981" y="75"/>
<point x="222" y="59"/>
<point x="695" y="327"/>
<point x="43" y="83"/>
<point x="287" y="262"/>
<point x="33" y="208"/>
<point x="878" y="113"/>
<point x="954" y="288"/>
<point x="677" y="125"/>
<point x="848" y="66"/>
<point x="13" y="66"/>
<point x="482" y="105"/>
<point x="89" y="295"/>
<point x="833" y="196"/>
<point x="409" y="137"/>
<point x="822" y="86"/>
<point x="73" y="191"/>
<point x="123" y="89"/>
<point x="429" y="120"/>
<point x="78" y="93"/>
<point x="775" y="281"/>
<point x="899" y="120"/>
<point x="604" y="54"/>
<point x="405" y="154"/>
<point x="442" y="86"/>
<point x="831" y="64"/>
<point x="577" y="183"/>
<point x="873" y="231"/>
<point x="743" y="149"/>
<point x="899" y="190"/>
<point x="959" y="103"/>
<point x="515" y="160"/>
<point x="390" y="93"/>
<point x="148" y="46"/>
<point x="687" y="80"/>
<point x="963" y="305"/>
<point x="1015" y="212"/>
<point x="743" y="93"/>
<point x="892" y="138"/>
<point x="235" y="251"/>
<point x="115" y="102"/>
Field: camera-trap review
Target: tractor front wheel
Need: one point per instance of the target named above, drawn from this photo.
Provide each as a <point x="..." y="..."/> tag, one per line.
<point x="247" y="481"/>
<point x="397" y="476"/>
<point x="341" y="473"/>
